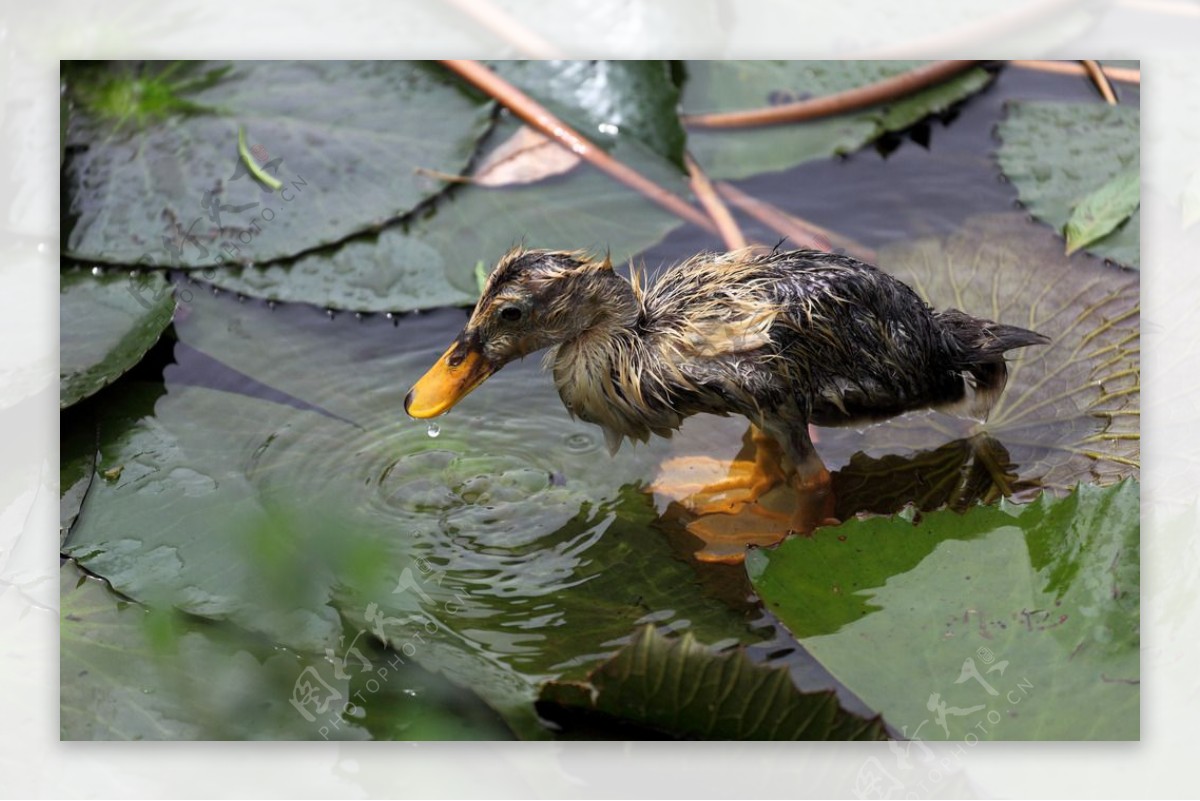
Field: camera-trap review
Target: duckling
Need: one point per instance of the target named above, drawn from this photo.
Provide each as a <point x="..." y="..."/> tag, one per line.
<point x="785" y="339"/>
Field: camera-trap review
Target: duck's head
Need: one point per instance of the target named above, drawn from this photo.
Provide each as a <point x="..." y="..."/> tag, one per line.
<point x="533" y="299"/>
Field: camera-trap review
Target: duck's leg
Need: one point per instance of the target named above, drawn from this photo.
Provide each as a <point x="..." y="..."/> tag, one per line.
<point x="704" y="485"/>
<point x="808" y="504"/>
<point x="811" y="480"/>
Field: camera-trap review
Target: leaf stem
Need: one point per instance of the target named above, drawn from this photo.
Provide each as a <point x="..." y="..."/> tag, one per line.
<point x="1097" y="75"/>
<point x="803" y="232"/>
<point x="259" y="174"/>
<point x="883" y="91"/>
<point x="702" y="187"/>
<point x="539" y="118"/>
<point x="1122" y="74"/>
<point x="448" y="177"/>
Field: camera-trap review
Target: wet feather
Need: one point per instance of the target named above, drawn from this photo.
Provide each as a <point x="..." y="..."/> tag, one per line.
<point x="784" y="338"/>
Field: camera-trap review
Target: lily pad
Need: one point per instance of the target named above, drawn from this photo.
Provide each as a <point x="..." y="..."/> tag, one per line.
<point x="1070" y="412"/>
<point x="277" y="485"/>
<point x="431" y="262"/>
<point x="1008" y="622"/>
<point x="606" y="101"/>
<point x="166" y="186"/>
<point x="717" y="86"/>
<point x="1103" y="210"/>
<point x="107" y="323"/>
<point x="680" y="688"/>
<point x="1060" y="154"/>
<point x="77" y="464"/>
<point x="129" y="672"/>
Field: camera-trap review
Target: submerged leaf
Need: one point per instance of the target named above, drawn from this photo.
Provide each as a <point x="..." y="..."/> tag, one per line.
<point x="344" y="138"/>
<point x="959" y="474"/>
<point x="716" y="86"/>
<point x="1057" y="154"/>
<point x="129" y="672"/>
<point x="680" y="688"/>
<point x="132" y="673"/>
<point x="1102" y="210"/>
<point x="1010" y="622"/>
<point x="1070" y="411"/>
<point x="107" y="323"/>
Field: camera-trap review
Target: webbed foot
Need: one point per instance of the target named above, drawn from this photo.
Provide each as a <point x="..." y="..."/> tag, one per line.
<point x="708" y="486"/>
<point x="805" y="503"/>
<point x="750" y="501"/>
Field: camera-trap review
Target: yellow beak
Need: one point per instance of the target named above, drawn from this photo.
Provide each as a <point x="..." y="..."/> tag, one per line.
<point x="459" y="370"/>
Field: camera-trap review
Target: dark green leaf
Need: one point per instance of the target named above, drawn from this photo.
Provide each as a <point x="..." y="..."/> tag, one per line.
<point x="607" y="100"/>
<point x="345" y="138"/>
<point x="1103" y="210"/>
<point x="717" y="86"/>
<point x="132" y="673"/>
<point x="680" y="688"/>
<point x="1058" y="154"/>
<point x="1022" y="619"/>
<point x="77" y="462"/>
<point x="107" y="323"/>
<point x="431" y="262"/>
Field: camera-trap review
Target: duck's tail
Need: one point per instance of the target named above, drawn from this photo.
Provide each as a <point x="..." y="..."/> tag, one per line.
<point x="983" y="345"/>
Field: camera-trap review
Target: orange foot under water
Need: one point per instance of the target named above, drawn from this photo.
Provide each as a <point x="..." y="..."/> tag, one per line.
<point x="749" y="501"/>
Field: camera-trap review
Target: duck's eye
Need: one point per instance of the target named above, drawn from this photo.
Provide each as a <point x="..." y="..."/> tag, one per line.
<point x="510" y="314"/>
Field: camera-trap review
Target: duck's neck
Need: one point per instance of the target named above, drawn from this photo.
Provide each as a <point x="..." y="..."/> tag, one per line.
<point x="605" y="318"/>
<point x="596" y="371"/>
<point x="605" y="305"/>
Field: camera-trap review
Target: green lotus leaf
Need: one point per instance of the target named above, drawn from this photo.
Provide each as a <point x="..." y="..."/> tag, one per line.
<point x="107" y="323"/>
<point x="1102" y="210"/>
<point x="77" y="466"/>
<point x="432" y="261"/>
<point x="1059" y="155"/>
<point x="679" y="688"/>
<point x="718" y="86"/>
<point x="604" y="100"/>
<point x="153" y="173"/>
<point x="1007" y="622"/>
<point x="129" y="672"/>
<point x="132" y="673"/>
